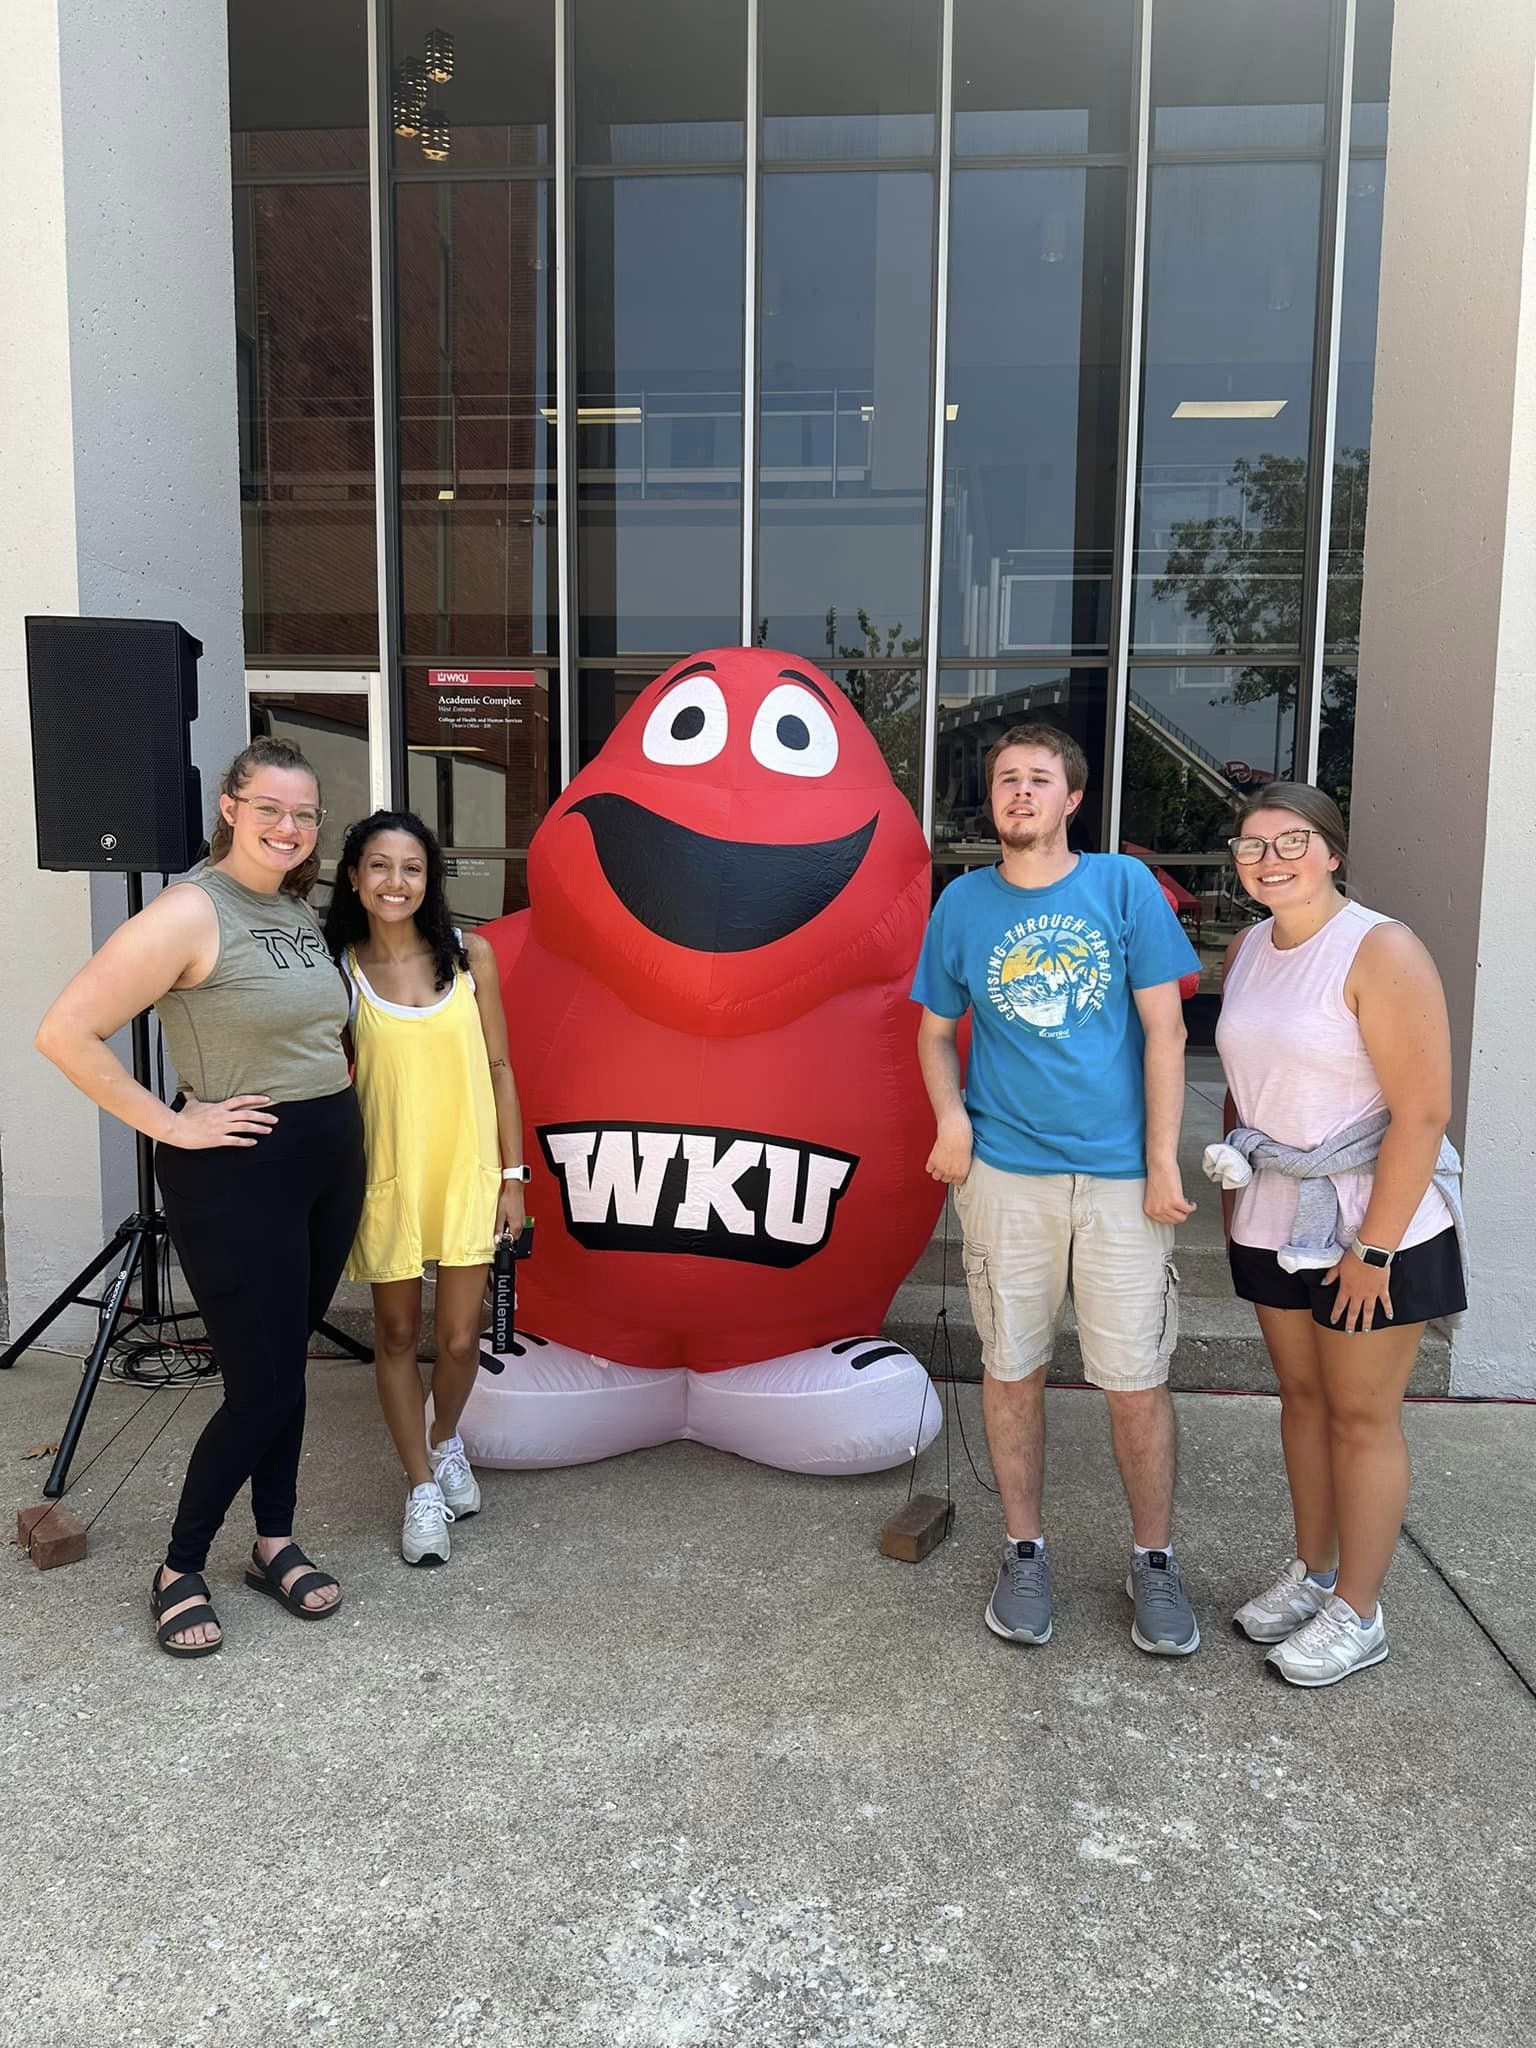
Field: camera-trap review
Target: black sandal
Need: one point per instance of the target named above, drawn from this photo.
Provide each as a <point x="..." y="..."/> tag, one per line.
<point x="161" y="1597"/>
<point x="268" y="1578"/>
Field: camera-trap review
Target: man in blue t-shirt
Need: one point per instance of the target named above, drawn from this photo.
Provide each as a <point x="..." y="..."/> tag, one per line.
<point x="1062" y="1150"/>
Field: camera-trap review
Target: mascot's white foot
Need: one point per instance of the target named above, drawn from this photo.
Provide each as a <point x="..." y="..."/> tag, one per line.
<point x="860" y="1405"/>
<point x="541" y="1404"/>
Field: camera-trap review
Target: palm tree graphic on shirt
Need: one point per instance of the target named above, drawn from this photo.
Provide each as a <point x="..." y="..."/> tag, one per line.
<point x="1052" y="979"/>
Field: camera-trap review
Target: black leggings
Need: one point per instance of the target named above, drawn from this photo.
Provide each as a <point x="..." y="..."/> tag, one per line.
<point x="262" y="1234"/>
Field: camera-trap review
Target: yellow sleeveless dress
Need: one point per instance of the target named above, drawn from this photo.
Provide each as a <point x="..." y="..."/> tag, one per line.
<point x="429" y="1129"/>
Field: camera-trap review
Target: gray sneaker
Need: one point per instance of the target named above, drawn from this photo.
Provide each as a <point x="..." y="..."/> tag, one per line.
<point x="1020" y="1607"/>
<point x="1165" y="1621"/>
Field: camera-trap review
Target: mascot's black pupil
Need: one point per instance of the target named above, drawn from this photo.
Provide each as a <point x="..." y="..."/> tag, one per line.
<point x="795" y="733"/>
<point x="689" y="723"/>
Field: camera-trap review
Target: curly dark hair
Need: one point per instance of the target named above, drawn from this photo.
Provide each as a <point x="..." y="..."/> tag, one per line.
<point x="346" y="921"/>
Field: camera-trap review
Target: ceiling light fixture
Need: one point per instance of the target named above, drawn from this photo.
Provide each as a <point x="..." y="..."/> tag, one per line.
<point x="436" y="139"/>
<point x="408" y="97"/>
<point x="439" y="55"/>
<point x="1229" y="408"/>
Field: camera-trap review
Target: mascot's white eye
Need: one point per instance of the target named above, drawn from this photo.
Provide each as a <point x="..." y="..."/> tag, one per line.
<point x="793" y="733"/>
<point x="688" y="726"/>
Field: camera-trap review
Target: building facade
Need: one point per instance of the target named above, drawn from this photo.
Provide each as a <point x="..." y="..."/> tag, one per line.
<point x="1004" y="361"/>
<point x="451" y="367"/>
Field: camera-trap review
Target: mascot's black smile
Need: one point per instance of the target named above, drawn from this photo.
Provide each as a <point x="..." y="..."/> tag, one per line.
<point x="715" y="895"/>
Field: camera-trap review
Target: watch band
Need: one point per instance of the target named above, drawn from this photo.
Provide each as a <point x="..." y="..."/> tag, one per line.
<point x="524" y="1173"/>
<point x="1370" y="1254"/>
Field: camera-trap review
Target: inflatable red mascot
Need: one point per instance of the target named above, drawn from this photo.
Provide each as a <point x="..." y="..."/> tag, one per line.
<point x="722" y="1107"/>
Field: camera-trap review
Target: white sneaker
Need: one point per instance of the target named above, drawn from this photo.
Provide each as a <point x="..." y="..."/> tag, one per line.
<point x="1330" y="1646"/>
<point x="1271" y="1616"/>
<point x="424" y="1538"/>
<point x="451" y="1470"/>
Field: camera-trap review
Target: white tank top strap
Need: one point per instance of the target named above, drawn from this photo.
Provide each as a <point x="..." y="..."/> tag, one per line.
<point x="356" y="980"/>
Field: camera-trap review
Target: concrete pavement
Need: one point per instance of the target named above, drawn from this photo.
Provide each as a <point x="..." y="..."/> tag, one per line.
<point x="670" y="1757"/>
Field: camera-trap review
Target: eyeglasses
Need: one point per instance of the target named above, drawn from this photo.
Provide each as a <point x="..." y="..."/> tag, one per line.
<point x="1287" y="845"/>
<point x="306" y="816"/>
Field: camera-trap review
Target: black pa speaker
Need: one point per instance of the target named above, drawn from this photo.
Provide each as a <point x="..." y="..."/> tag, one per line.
<point x="112" y="706"/>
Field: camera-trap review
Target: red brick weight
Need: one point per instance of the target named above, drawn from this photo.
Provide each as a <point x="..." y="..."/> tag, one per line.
<point x="50" y="1535"/>
<point x="917" y="1528"/>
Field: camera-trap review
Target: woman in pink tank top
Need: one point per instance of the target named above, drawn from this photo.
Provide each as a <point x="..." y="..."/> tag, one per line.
<point x="1333" y="1022"/>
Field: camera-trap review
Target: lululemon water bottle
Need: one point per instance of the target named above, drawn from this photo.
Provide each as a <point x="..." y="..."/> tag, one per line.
<point x="504" y="1285"/>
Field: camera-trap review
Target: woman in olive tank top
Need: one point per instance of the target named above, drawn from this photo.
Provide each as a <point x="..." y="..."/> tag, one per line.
<point x="260" y="1158"/>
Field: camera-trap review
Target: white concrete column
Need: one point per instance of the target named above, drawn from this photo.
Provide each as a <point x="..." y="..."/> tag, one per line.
<point x="119" y="495"/>
<point x="1445" y="746"/>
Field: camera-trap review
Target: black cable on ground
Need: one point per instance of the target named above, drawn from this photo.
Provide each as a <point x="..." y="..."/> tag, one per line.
<point x="102" y="1450"/>
<point x="138" y="1461"/>
<point x="947" y="1378"/>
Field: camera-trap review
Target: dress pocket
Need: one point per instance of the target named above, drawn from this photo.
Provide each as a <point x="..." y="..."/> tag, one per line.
<point x="490" y="1177"/>
<point x="385" y="1247"/>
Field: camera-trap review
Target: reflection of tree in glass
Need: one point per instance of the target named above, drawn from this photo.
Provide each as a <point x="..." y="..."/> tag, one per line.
<point x="1242" y="577"/>
<point x="1164" y="806"/>
<point x="887" y="699"/>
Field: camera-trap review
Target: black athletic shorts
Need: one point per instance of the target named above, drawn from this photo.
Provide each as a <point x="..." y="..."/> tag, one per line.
<point x="1425" y="1283"/>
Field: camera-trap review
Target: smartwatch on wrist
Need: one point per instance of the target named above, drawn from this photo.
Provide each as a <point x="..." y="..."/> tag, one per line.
<point x="1370" y="1254"/>
<point x="517" y="1173"/>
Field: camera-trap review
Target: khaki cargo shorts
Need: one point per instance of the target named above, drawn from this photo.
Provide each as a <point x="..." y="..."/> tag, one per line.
<point x="1029" y="1237"/>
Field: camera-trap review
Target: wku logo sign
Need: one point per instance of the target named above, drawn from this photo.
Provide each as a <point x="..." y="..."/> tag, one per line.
<point x="719" y="1194"/>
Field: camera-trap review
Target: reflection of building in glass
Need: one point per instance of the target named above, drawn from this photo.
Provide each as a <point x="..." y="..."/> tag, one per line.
<point x="969" y="726"/>
<point x="1110" y="515"/>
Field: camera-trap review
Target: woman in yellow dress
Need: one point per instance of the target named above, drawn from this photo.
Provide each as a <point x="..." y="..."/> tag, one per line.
<point x="443" y="1136"/>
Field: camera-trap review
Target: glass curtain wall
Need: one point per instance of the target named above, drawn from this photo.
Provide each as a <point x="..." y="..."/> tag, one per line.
<point x="1033" y="417"/>
<point x="659" y="226"/>
<point x="850" y="140"/>
<point x="469" y="172"/>
<point x="669" y="346"/>
<point x="1222" y="581"/>
<point x="304" y="334"/>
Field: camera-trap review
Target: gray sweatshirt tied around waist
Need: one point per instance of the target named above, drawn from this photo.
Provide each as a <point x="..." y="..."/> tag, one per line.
<point x="1315" y="1233"/>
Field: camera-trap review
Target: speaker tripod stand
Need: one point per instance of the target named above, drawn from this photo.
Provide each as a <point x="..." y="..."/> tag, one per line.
<point x="136" y="1245"/>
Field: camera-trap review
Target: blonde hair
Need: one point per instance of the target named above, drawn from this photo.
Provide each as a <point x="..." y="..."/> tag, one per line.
<point x="265" y="753"/>
<point x="1306" y="801"/>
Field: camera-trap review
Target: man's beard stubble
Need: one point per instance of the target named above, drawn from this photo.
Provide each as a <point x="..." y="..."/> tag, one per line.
<point x="1033" y="838"/>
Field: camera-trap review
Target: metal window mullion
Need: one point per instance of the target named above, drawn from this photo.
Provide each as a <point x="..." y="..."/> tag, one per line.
<point x="472" y="174"/>
<point x="819" y="166"/>
<point x="930" y="701"/>
<point x="391" y="737"/>
<point x="1318" y="514"/>
<point x="565" y="394"/>
<point x="599" y="174"/>
<point x="751" y="215"/>
<point x="1132" y="350"/>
